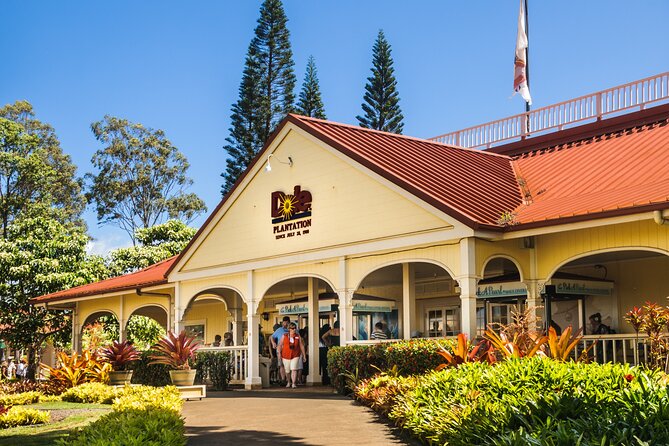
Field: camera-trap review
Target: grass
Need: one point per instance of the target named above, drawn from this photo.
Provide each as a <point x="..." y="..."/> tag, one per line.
<point x="47" y="434"/>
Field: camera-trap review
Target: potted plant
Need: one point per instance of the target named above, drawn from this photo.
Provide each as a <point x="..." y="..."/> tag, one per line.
<point x="120" y="355"/>
<point x="176" y="351"/>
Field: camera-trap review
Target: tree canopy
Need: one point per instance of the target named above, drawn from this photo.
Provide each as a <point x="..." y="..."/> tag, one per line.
<point x="381" y="100"/>
<point x="310" y="102"/>
<point x="33" y="168"/>
<point x="141" y="177"/>
<point x="266" y="92"/>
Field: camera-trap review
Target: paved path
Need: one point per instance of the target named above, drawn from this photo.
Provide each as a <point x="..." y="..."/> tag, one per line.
<point x="304" y="416"/>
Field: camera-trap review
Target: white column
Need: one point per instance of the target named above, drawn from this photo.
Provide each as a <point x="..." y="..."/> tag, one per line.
<point x="253" y="380"/>
<point x="408" y="299"/>
<point x="345" y="315"/>
<point x="467" y="281"/>
<point x="75" y="328"/>
<point x="178" y="311"/>
<point x="122" y="322"/>
<point x="312" y="302"/>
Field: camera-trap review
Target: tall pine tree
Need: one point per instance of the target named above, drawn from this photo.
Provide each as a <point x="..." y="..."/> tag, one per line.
<point x="310" y="103"/>
<point x="381" y="106"/>
<point x="265" y="94"/>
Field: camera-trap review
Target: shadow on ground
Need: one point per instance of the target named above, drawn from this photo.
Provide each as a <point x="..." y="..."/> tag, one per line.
<point x="212" y="435"/>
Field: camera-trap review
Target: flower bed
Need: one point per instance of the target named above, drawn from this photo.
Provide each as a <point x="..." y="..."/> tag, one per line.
<point x="411" y="357"/>
<point x="526" y="401"/>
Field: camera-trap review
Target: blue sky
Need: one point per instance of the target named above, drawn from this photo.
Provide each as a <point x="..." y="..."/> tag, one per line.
<point x="176" y="65"/>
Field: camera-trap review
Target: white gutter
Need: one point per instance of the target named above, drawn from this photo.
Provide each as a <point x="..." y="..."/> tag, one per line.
<point x="660" y="218"/>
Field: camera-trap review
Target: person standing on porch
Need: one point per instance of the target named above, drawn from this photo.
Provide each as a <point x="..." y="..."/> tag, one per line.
<point x="275" y="339"/>
<point x="332" y="336"/>
<point x="378" y="332"/>
<point x="291" y="350"/>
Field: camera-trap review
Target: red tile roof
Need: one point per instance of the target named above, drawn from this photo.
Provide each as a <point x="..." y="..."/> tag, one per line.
<point x="150" y="276"/>
<point x="472" y="186"/>
<point x="618" y="172"/>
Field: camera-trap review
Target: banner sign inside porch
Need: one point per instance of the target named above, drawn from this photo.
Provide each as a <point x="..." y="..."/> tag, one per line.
<point x="502" y="289"/>
<point x="582" y="287"/>
<point x="372" y="306"/>
<point x="303" y="307"/>
<point x="291" y="214"/>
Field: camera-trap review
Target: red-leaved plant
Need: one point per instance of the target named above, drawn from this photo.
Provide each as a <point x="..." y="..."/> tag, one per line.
<point x="120" y="354"/>
<point x="175" y="351"/>
<point x="464" y="352"/>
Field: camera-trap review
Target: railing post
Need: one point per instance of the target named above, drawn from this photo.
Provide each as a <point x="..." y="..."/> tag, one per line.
<point x="598" y="106"/>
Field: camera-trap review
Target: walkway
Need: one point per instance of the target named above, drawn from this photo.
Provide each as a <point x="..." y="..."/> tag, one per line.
<point x="304" y="416"/>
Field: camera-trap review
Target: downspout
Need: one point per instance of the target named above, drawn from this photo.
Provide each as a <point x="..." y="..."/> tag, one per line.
<point x="148" y="293"/>
<point x="660" y="218"/>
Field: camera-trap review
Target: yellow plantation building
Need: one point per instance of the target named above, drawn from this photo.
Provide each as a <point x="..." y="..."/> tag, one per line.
<point x="338" y="223"/>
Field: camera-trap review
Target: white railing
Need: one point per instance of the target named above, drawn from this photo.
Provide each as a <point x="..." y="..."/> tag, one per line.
<point x="238" y="361"/>
<point x="622" y="348"/>
<point x="595" y="106"/>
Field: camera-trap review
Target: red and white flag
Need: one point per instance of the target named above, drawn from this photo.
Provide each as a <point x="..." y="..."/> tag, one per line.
<point x="520" y="63"/>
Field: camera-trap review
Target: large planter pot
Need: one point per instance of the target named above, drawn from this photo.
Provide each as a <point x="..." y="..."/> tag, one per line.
<point x="182" y="377"/>
<point x="120" y="377"/>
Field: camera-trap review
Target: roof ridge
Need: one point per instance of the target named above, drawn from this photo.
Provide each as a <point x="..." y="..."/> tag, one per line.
<point x="395" y="135"/>
<point x="636" y="128"/>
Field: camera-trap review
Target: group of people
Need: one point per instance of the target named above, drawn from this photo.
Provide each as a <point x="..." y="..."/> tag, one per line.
<point x="288" y="351"/>
<point x="227" y="340"/>
<point x="11" y="370"/>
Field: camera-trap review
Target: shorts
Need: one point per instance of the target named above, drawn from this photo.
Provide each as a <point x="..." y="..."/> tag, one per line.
<point x="291" y="364"/>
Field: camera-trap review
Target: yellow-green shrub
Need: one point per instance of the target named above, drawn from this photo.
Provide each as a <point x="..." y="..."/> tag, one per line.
<point x="23" y="416"/>
<point x="90" y="393"/>
<point x="20" y="399"/>
<point x="146" y="397"/>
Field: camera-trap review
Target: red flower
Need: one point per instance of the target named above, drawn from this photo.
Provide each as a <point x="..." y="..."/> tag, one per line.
<point x="629" y="377"/>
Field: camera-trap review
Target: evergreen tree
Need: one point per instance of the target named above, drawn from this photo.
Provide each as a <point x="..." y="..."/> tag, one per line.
<point x="381" y="106"/>
<point x="265" y="94"/>
<point x="310" y="103"/>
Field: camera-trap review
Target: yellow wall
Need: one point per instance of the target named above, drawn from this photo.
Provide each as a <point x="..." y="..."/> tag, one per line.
<point x="214" y="315"/>
<point x="555" y="249"/>
<point x="348" y="207"/>
<point x="131" y="303"/>
<point x="486" y="250"/>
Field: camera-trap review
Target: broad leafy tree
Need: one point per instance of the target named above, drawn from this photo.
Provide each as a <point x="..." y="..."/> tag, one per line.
<point x="266" y="93"/>
<point x="141" y="177"/>
<point x="155" y="244"/>
<point x="33" y="168"/>
<point x="381" y="101"/>
<point x="310" y="102"/>
<point x="40" y="255"/>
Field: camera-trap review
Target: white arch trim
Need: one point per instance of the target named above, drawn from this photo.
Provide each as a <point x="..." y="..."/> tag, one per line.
<point x="204" y="290"/>
<point x="399" y="262"/>
<point x="503" y="256"/>
<point x="298" y="276"/>
<point x="604" y="251"/>
<point x="150" y="305"/>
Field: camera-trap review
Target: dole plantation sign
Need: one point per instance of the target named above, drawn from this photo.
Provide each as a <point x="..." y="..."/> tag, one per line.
<point x="291" y="214"/>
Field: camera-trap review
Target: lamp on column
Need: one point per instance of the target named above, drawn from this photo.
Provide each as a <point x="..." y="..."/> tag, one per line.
<point x="268" y="166"/>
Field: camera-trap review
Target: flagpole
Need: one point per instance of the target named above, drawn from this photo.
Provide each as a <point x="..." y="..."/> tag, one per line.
<point x="527" y="59"/>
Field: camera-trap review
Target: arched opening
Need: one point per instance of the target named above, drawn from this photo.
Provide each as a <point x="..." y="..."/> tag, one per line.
<point x="499" y="291"/>
<point x="416" y="299"/>
<point x="146" y="325"/>
<point x="215" y="317"/>
<point x="609" y="284"/>
<point x="99" y="329"/>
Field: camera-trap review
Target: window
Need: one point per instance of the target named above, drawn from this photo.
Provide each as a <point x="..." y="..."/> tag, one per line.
<point x="443" y="321"/>
<point x="196" y="329"/>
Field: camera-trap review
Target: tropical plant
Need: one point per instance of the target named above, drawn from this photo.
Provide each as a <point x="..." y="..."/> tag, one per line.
<point x="120" y="354"/>
<point x="560" y="347"/>
<point x="175" y="351"/>
<point x="463" y="352"/>
<point x="652" y="319"/>
<point x="514" y="347"/>
<point x="78" y="369"/>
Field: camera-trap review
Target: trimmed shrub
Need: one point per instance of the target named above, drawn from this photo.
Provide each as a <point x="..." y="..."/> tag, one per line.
<point x="90" y="393"/>
<point x="23" y="416"/>
<point x="20" y="399"/>
<point x="141" y="415"/>
<point x="150" y="375"/>
<point x="357" y="362"/>
<point x="213" y="367"/>
<point x="526" y="401"/>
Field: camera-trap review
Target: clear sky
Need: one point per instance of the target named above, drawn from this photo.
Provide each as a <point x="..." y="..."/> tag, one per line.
<point x="176" y="65"/>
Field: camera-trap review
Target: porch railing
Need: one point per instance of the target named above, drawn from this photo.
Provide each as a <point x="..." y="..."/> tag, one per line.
<point x="595" y="106"/>
<point x="238" y="361"/>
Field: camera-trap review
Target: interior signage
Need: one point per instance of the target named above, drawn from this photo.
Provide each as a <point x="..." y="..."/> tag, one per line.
<point x="291" y="214"/>
<point x="502" y="289"/>
<point x="583" y="287"/>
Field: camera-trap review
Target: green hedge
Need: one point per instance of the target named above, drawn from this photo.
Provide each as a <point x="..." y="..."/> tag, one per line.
<point x="150" y="375"/>
<point x="526" y="402"/>
<point x="214" y="368"/>
<point x="412" y="357"/>
<point x="23" y="416"/>
<point x="140" y="416"/>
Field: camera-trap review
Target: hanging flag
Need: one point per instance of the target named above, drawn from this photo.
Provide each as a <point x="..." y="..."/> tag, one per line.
<point x="520" y="71"/>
